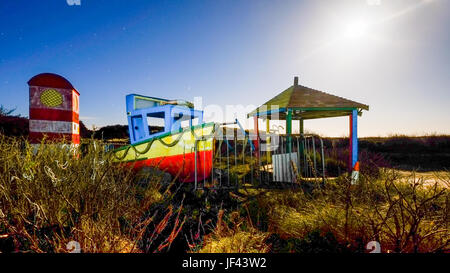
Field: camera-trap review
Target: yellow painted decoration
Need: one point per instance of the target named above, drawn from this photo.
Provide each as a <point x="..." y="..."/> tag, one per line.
<point x="51" y="98"/>
<point x="170" y="145"/>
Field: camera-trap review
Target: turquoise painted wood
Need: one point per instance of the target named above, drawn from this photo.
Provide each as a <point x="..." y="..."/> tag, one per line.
<point x="140" y="108"/>
<point x="289" y="130"/>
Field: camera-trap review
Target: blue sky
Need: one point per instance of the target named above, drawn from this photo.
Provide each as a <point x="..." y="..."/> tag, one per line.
<point x="392" y="55"/>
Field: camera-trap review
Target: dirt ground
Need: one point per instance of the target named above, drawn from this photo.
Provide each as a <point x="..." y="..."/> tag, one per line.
<point x="429" y="178"/>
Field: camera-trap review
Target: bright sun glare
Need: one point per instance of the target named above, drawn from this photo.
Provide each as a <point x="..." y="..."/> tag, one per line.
<point x="355" y="29"/>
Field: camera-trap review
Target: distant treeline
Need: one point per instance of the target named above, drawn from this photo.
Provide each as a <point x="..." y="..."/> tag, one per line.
<point x="16" y="125"/>
<point x="423" y="153"/>
<point x="19" y="126"/>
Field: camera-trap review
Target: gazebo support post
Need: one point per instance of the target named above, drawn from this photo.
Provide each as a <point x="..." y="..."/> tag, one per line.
<point x="353" y="139"/>
<point x="256" y="142"/>
<point x="289" y="130"/>
<point x="301" y="126"/>
<point x="268" y="140"/>
<point x="301" y="130"/>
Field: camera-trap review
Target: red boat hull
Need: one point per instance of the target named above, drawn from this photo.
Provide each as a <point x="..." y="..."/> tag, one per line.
<point x="180" y="166"/>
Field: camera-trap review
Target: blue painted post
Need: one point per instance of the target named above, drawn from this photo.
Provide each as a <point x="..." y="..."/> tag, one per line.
<point x="354" y="136"/>
<point x="168" y="119"/>
<point x="353" y="157"/>
<point x="350" y="146"/>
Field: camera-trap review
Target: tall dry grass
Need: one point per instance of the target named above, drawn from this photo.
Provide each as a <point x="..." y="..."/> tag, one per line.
<point x="51" y="195"/>
<point x="402" y="214"/>
<point x="237" y="236"/>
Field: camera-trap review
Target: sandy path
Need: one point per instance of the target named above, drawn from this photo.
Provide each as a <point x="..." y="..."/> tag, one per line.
<point x="429" y="178"/>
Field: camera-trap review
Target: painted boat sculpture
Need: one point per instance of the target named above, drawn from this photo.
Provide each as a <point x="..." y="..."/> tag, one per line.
<point x="171" y="147"/>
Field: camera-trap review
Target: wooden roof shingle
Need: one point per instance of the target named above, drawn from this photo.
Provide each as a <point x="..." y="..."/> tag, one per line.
<point x="307" y="103"/>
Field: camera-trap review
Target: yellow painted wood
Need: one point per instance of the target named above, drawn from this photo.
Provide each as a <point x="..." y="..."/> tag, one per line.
<point x="185" y="145"/>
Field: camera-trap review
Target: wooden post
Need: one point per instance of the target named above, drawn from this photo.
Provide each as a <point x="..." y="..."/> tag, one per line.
<point x="350" y="144"/>
<point x="301" y="149"/>
<point x="289" y="130"/>
<point x="301" y="126"/>
<point x="354" y="137"/>
<point x="353" y="140"/>
<point x="255" y="142"/>
<point x="268" y="140"/>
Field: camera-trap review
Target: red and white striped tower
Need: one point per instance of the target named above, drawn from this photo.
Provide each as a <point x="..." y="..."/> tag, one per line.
<point x="54" y="109"/>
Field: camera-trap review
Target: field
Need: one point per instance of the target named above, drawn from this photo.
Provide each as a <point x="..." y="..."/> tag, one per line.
<point x="419" y="153"/>
<point x="53" y="195"/>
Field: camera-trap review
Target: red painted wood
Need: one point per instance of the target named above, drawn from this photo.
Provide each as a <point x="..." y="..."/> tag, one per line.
<point x="255" y="142"/>
<point x="182" y="166"/>
<point x="51" y="80"/>
<point x="53" y="114"/>
<point x="36" y="138"/>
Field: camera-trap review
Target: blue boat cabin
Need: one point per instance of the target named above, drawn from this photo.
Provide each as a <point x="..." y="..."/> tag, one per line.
<point x="150" y="117"/>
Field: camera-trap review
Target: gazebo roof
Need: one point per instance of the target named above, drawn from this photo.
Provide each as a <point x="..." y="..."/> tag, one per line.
<point x="306" y="103"/>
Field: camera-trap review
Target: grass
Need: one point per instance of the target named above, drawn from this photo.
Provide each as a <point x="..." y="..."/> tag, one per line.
<point x="52" y="195"/>
<point x="241" y="238"/>
<point x="404" y="215"/>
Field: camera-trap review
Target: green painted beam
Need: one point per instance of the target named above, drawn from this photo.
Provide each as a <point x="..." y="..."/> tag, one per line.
<point x="266" y="113"/>
<point x="308" y="113"/>
<point x="323" y="108"/>
<point x="302" y="129"/>
<point x="289" y="129"/>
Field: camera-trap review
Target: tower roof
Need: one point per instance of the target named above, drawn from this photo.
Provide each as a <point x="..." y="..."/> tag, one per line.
<point x="51" y="80"/>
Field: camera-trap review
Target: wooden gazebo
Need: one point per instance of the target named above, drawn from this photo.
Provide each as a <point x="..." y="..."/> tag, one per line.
<point x="302" y="103"/>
